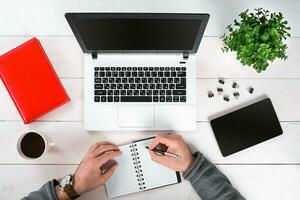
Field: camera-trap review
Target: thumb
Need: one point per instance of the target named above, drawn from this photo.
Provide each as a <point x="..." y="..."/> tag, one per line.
<point x="109" y="172"/>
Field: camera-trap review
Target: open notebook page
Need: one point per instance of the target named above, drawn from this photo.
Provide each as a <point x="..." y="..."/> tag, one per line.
<point x="124" y="180"/>
<point x="155" y="175"/>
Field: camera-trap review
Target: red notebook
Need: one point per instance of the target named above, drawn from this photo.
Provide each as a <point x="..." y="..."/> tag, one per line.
<point x="31" y="80"/>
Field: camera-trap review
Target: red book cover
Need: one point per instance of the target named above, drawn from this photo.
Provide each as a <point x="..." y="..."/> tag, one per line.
<point x="31" y="80"/>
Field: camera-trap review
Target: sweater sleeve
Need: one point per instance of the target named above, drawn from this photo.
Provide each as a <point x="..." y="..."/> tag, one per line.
<point x="209" y="182"/>
<point x="46" y="192"/>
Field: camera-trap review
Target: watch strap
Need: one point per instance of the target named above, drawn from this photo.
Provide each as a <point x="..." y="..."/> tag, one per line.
<point x="69" y="190"/>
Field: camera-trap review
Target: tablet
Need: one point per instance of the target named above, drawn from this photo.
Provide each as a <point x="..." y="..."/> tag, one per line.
<point x="246" y="127"/>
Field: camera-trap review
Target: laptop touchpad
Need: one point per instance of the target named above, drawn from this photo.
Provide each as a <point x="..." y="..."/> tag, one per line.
<point x="139" y="117"/>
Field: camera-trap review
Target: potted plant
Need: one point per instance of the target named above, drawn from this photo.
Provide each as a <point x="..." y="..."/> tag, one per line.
<point x="258" y="38"/>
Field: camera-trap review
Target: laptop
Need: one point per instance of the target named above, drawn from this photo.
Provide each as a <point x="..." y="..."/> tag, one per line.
<point x="139" y="69"/>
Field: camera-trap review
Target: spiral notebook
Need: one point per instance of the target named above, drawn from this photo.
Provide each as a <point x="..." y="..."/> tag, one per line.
<point x="136" y="171"/>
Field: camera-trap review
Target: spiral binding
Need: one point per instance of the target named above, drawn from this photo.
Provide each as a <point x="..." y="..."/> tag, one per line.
<point x="137" y="166"/>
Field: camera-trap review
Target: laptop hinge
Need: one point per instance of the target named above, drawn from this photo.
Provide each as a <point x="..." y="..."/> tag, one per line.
<point x="185" y="55"/>
<point x="94" y="55"/>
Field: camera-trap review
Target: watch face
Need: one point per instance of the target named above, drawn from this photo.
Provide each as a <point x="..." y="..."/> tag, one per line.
<point x="65" y="181"/>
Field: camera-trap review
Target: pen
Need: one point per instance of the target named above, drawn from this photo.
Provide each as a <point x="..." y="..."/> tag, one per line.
<point x="165" y="153"/>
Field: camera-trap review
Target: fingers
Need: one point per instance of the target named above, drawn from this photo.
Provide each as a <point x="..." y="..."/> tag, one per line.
<point x="96" y="145"/>
<point x="101" y="160"/>
<point x="104" y="148"/>
<point x="163" y="160"/>
<point x="109" y="172"/>
<point x="167" y="139"/>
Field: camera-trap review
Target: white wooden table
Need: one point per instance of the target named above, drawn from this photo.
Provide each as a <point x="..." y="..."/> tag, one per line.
<point x="270" y="170"/>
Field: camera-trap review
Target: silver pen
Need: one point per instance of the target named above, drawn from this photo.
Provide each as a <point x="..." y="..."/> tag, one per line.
<point x="165" y="153"/>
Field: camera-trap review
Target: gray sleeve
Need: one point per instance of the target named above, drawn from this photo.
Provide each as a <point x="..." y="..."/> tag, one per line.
<point x="46" y="192"/>
<point x="209" y="182"/>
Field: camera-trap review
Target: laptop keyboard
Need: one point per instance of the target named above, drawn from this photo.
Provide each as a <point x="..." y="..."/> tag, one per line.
<point x="140" y="84"/>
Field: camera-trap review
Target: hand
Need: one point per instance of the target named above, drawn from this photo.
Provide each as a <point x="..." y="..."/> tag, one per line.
<point x="175" y="144"/>
<point x="88" y="175"/>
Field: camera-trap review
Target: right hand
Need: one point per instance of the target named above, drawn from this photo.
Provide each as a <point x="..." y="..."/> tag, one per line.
<point x="176" y="145"/>
<point x="88" y="175"/>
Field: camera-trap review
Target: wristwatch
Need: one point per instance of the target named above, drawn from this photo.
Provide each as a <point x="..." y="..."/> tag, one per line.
<point x="66" y="185"/>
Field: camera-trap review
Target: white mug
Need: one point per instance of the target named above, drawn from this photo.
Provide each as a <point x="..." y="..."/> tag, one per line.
<point x="47" y="145"/>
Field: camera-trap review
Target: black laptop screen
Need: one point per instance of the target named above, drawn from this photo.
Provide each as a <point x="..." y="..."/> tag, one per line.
<point x="130" y="34"/>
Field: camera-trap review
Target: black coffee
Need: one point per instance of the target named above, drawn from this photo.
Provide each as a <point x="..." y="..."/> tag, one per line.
<point x="32" y="145"/>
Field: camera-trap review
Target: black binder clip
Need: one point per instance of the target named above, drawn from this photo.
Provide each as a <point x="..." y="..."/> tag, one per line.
<point x="236" y="95"/>
<point x="210" y="94"/>
<point x="250" y="89"/>
<point x="219" y="90"/>
<point x="222" y="81"/>
<point x="226" y="98"/>
<point x="235" y="85"/>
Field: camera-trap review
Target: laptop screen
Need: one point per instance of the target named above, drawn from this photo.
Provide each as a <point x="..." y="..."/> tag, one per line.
<point x="138" y="32"/>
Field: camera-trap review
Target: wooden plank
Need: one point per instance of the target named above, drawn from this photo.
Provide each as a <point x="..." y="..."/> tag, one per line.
<point x="47" y="18"/>
<point x="258" y="182"/>
<point x="283" y="93"/>
<point x="72" y="142"/>
<point x="67" y="58"/>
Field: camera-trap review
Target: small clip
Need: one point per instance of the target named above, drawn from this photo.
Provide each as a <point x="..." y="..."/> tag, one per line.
<point x="219" y="90"/>
<point x="235" y="85"/>
<point x="222" y="81"/>
<point x="210" y="94"/>
<point x="251" y="89"/>
<point x="226" y="98"/>
<point x="236" y="95"/>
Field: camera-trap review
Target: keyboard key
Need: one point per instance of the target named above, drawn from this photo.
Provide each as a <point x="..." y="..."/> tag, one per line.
<point x="128" y="74"/>
<point x="118" y="80"/>
<point x="181" y="74"/>
<point x="123" y="69"/>
<point x="167" y="69"/>
<point x="100" y="92"/>
<point x="175" y="98"/>
<point x="103" y="98"/>
<point x="145" y="86"/>
<point x="96" y="74"/>
<point x="111" y="80"/>
<point x="155" y="92"/>
<point x="105" y="80"/>
<point x="172" y="86"/>
<point x="165" y="86"/>
<point x="134" y="69"/>
<point x="134" y="74"/>
<point x="97" y="80"/>
<point x="118" y="68"/>
<point x="152" y="86"/>
<point x="136" y="92"/>
<point x="124" y="80"/>
<point x="139" y="86"/>
<point x="110" y="98"/>
<point x="147" y="74"/>
<point x="181" y="86"/>
<point x="177" y="68"/>
<point x="112" y="69"/>
<point x="160" y="74"/>
<point x="106" y="86"/>
<point x="158" y="86"/>
<point x="182" y="99"/>
<point x="176" y="80"/>
<point x="155" y="98"/>
<point x="132" y="86"/>
<point x="119" y="86"/>
<point x="102" y="74"/>
<point x="163" y="80"/>
<point x="179" y="92"/>
<point x="162" y="98"/>
<point x="126" y="86"/>
<point x="115" y="74"/>
<point x="156" y="68"/>
<point x="141" y="74"/>
<point x="150" y="80"/>
<point x="121" y="74"/>
<point x="136" y="99"/>
<point x="116" y="92"/>
<point x="116" y="98"/>
<point x="168" y="92"/>
<point x="108" y="74"/>
<point x="144" y="80"/>
<point x="113" y="86"/>
<point x="154" y="74"/>
<point x="140" y="68"/>
<point x="129" y="92"/>
<point x="172" y="68"/>
<point x="162" y="92"/>
<point x="110" y="92"/>
<point x="101" y="68"/>
<point x="169" y="98"/>
<point x="142" y="92"/>
<point x="107" y="68"/>
<point x="156" y="80"/>
<point x="130" y="80"/>
<point x="161" y="68"/>
<point x="150" y="68"/>
<point x="149" y="92"/>
<point x="97" y="98"/>
<point x="173" y="74"/>
<point x="183" y="69"/>
<point x="129" y="68"/>
<point x="99" y="86"/>
<point x="167" y="74"/>
<point x="170" y="80"/>
<point x="123" y="92"/>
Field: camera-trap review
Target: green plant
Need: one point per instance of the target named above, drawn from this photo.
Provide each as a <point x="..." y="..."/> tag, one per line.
<point x="257" y="38"/>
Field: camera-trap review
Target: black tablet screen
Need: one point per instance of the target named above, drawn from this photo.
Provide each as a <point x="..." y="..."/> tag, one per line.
<point x="246" y="127"/>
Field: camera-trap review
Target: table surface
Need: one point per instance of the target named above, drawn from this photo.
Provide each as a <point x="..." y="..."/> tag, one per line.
<point x="270" y="170"/>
